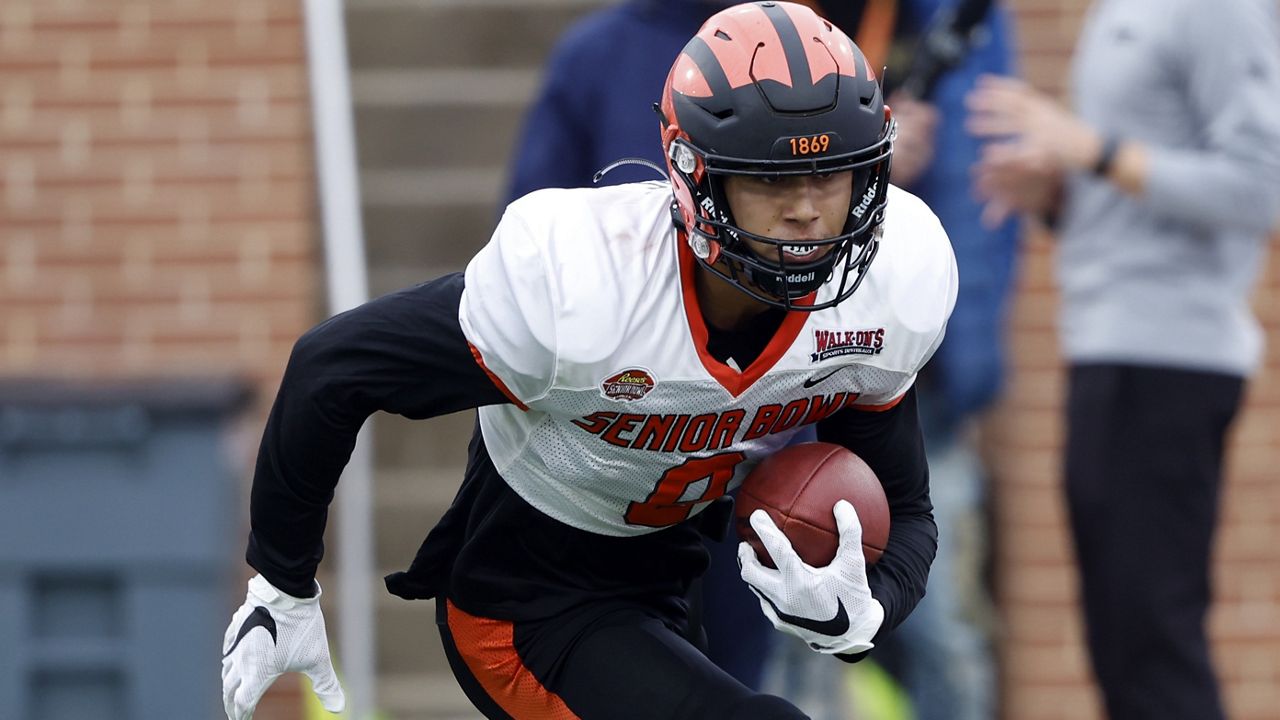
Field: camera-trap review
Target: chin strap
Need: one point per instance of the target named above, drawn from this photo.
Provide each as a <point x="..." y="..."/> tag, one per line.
<point x="795" y="282"/>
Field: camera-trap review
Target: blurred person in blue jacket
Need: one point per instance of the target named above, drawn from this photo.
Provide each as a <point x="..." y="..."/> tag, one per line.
<point x="599" y="83"/>
<point x="943" y="654"/>
<point x="593" y="110"/>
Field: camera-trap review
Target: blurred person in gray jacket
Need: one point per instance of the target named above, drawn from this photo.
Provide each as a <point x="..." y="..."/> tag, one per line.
<point x="1162" y="187"/>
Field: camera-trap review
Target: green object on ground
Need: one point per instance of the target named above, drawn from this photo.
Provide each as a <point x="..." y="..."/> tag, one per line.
<point x="874" y="694"/>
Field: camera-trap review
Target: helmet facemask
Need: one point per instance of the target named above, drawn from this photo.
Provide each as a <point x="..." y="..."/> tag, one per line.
<point x="773" y="277"/>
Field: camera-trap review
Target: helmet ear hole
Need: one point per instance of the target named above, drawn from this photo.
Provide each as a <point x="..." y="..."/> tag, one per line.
<point x="688" y="160"/>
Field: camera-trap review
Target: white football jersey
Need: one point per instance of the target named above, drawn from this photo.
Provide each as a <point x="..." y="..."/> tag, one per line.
<point x="582" y="309"/>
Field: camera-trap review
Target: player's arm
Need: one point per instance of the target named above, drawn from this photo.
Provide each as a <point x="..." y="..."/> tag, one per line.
<point x="403" y="353"/>
<point x="885" y="431"/>
<point x="843" y="608"/>
<point x="453" y="343"/>
<point x="891" y="443"/>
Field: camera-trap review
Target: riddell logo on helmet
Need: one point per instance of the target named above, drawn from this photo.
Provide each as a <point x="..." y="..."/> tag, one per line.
<point x="630" y="384"/>
<point x="709" y="207"/>
<point x="801" y="278"/>
<point x="865" y="203"/>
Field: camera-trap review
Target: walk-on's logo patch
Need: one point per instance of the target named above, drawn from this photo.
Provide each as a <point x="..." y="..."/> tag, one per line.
<point x="836" y="343"/>
<point x="630" y="384"/>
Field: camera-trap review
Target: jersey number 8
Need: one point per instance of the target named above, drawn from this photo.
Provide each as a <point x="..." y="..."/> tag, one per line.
<point x="664" y="505"/>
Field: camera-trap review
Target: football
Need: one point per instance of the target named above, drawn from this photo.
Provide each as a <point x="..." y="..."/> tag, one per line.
<point x="799" y="486"/>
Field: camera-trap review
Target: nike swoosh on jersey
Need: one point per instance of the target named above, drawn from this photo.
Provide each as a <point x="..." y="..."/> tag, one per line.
<point x="810" y="382"/>
<point x="835" y="627"/>
<point x="258" y="618"/>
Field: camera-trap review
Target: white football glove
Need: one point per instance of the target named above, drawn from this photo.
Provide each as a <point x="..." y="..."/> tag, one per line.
<point x="272" y="634"/>
<point x="831" y="607"/>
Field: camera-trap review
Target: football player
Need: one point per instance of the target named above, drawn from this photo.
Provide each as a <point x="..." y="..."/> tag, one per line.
<point x="633" y="352"/>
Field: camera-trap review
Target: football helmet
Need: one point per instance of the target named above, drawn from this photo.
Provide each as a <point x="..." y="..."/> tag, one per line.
<point x="772" y="89"/>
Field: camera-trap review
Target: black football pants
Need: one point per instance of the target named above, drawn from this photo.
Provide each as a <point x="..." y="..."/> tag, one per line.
<point x="1143" y="472"/>
<point x="622" y="662"/>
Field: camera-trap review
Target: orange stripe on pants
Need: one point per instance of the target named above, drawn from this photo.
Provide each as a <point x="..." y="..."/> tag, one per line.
<point x="487" y="646"/>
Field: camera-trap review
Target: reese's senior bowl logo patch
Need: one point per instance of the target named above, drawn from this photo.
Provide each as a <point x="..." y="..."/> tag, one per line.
<point x="630" y="384"/>
<point x="836" y="343"/>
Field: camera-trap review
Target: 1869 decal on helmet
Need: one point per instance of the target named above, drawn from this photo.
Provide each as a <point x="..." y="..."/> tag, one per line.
<point x="630" y="384"/>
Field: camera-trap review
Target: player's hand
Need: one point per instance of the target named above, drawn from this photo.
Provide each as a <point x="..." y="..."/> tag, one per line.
<point x="272" y="634"/>
<point x="831" y="607"/>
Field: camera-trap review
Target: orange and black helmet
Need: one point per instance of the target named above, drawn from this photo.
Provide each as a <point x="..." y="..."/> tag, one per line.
<point x="771" y="88"/>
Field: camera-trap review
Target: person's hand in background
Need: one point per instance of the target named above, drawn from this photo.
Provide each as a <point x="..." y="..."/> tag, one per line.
<point x="1032" y="141"/>
<point x="1014" y="178"/>
<point x="913" y="150"/>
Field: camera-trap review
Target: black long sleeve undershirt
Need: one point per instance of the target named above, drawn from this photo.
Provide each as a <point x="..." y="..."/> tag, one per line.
<point x="892" y="444"/>
<point x="402" y="353"/>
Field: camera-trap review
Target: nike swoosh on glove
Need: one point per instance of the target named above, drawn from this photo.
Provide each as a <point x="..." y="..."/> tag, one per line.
<point x="272" y="634"/>
<point x="831" y="607"/>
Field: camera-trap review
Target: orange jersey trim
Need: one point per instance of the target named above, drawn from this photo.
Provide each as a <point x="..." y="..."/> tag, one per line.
<point x="732" y="380"/>
<point x="497" y="381"/>
<point x="487" y="647"/>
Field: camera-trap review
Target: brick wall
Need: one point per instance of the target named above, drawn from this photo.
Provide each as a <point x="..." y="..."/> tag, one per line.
<point x="1045" y="670"/>
<point x="156" y="203"/>
<point x="155" y="193"/>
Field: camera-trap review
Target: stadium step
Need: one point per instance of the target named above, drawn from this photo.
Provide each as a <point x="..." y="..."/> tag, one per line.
<point x="425" y="34"/>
